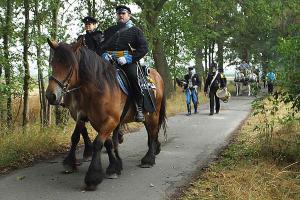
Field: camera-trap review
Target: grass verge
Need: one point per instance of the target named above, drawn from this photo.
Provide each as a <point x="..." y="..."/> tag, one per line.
<point x="250" y="168"/>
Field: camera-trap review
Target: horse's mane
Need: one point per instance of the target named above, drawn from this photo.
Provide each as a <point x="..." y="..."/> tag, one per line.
<point x="92" y="68"/>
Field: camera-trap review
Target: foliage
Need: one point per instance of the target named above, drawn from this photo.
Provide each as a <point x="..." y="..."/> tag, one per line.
<point x="275" y="120"/>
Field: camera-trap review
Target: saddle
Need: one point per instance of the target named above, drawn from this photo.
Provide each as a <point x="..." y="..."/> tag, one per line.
<point x="146" y="86"/>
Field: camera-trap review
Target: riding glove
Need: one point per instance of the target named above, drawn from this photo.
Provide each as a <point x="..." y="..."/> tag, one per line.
<point x="122" y="60"/>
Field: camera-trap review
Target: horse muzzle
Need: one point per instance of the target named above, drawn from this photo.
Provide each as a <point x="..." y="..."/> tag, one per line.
<point x="53" y="98"/>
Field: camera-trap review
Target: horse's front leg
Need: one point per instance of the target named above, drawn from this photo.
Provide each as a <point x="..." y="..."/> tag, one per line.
<point x="95" y="175"/>
<point x="88" y="146"/>
<point x="70" y="161"/>
<point x="115" y="162"/>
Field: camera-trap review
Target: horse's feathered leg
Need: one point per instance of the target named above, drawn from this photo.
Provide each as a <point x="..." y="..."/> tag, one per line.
<point x="115" y="162"/>
<point x="69" y="162"/>
<point x="95" y="175"/>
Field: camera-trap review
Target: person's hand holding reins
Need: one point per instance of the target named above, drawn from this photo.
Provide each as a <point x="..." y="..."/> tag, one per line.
<point x="122" y="60"/>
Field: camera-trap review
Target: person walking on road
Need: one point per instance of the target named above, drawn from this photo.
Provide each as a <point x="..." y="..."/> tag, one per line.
<point x="212" y="83"/>
<point x="270" y="77"/>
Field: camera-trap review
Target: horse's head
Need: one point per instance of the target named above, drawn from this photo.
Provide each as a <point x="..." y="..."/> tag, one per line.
<point x="64" y="76"/>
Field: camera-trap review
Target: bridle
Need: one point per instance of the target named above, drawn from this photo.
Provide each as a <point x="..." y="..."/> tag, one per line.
<point x="64" y="85"/>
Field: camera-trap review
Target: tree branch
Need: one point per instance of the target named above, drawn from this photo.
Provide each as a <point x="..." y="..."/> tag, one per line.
<point x="160" y="5"/>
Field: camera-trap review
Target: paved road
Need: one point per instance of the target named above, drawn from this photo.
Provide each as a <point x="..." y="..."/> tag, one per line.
<point x="192" y="142"/>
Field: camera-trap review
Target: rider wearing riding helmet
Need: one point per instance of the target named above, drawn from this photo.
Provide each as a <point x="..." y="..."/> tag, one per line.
<point x="126" y="44"/>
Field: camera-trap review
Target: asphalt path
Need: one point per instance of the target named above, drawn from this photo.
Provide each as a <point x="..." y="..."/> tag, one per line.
<point x="193" y="141"/>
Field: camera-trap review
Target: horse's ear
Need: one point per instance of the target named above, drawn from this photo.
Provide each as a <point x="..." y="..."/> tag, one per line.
<point x="52" y="44"/>
<point x="78" y="44"/>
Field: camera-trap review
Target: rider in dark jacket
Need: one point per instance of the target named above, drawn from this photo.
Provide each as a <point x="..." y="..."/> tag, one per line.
<point x="213" y="82"/>
<point x="92" y="37"/>
<point x="126" y="44"/>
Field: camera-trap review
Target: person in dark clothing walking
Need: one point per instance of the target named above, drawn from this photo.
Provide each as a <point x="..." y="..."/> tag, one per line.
<point x="92" y="38"/>
<point x="191" y="84"/>
<point x="126" y="44"/>
<point x="212" y="83"/>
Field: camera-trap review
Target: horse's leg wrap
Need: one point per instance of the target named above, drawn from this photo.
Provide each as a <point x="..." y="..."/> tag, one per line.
<point x="95" y="175"/>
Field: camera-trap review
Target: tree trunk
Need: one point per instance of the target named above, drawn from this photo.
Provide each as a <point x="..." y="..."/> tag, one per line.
<point x="209" y="55"/>
<point x="212" y="51"/>
<point x="199" y="65"/>
<point x="60" y="113"/>
<point x="206" y="64"/>
<point x="7" y="67"/>
<point x="94" y="8"/>
<point x="53" y="34"/>
<point x="151" y="12"/>
<point x="43" y="104"/>
<point x="91" y="6"/>
<point x="220" y="57"/>
<point x="161" y="65"/>
<point x="245" y="55"/>
<point x="26" y="65"/>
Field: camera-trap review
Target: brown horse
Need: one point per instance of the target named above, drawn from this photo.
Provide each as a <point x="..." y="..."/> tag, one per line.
<point x="90" y="90"/>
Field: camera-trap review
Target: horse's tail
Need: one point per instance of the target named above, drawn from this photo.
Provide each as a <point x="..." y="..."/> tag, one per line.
<point x="162" y="123"/>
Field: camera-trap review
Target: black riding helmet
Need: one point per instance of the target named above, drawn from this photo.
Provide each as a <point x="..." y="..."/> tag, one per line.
<point x="89" y="20"/>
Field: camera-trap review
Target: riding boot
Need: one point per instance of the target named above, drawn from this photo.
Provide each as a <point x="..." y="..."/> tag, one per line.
<point x="139" y="117"/>
<point x="189" y="109"/>
<point x="195" y="108"/>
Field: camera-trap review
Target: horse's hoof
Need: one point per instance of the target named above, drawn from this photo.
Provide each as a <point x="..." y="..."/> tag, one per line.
<point x="90" y="187"/>
<point x="112" y="176"/>
<point x="146" y="165"/>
